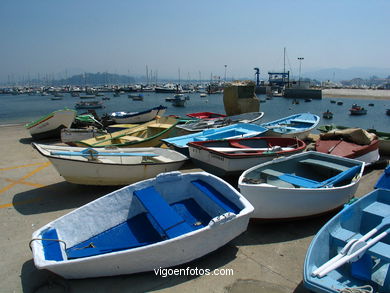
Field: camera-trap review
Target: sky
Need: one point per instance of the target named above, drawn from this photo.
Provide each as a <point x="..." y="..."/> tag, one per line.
<point x="195" y="39"/>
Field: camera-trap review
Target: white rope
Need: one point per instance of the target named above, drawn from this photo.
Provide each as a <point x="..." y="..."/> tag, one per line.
<point x="361" y="289"/>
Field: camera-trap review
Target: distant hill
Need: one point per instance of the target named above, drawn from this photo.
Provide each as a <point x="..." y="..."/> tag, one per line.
<point x="338" y="74"/>
<point x="93" y="79"/>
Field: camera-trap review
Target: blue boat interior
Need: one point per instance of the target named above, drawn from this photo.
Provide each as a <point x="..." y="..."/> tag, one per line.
<point x="159" y="221"/>
<point x="292" y="123"/>
<point x="310" y="171"/>
<point x="355" y="221"/>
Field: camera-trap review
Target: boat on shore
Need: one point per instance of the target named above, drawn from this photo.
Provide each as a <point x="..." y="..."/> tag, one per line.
<point x="206" y="115"/>
<point x="351" y="252"/>
<point x="384" y="181"/>
<point x="148" y="134"/>
<point x="49" y="126"/>
<point x="297" y="125"/>
<point x="150" y="225"/>
<point x="196" y="126"/>
<point x="110" y="166"/>
<point x="233" y="156"/>
<point x="300" y="185"/>
<point x="138" y="117"/>
<point x="239" y="130"/>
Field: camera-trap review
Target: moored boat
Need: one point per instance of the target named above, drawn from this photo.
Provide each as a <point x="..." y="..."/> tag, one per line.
<point x="357" y="110"/>
<point x="233" y="156"/>
<point x="327" y="115"/>
<point x="239" y="130"/>
<point x="110" y="166"/>
<point x="196" y="126"/>
<point x="89" y="105"/>
<point x="297" y="125"/>
<point x="50" y="126"/>
<point x="151" y="225"/>
<point x="351" y="252"/>
<point x="138" y="117"/>
<point x="148" y="134"/>
<point x="300" y="185"/>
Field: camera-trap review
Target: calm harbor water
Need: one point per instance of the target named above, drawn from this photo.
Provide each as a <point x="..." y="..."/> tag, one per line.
<point x="24" y="108"/>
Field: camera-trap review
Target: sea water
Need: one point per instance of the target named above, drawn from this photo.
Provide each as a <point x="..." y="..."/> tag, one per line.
<point x="25" y="108"/>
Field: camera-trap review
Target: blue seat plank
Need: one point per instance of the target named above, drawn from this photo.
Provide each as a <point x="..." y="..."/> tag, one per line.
<point x="299" y="181"/>
<point x="165" y="216"/>
<point x="51" y="247"/>
<point x="216" y="196"/>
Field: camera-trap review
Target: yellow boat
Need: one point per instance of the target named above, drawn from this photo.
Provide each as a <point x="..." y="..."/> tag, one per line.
<point x="146" y="135"/>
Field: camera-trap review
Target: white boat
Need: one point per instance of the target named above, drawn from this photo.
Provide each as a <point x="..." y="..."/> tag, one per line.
<point x="50" y="126"/>
<point x="142" y="227"/>
<point x="110" y="166"/>
<point x="297" y="125"/>
<point x="138" y="117"/>
<point x="301" y="185"/>
<point x="233" y="156"/>
<point x="89" y="105"/>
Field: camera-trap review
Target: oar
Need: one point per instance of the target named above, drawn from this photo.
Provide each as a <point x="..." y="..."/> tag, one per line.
<point x="354" y="255"/>
<point x="232" y="150"/>
<point x="65" y="153"/>
<point x="344" y="251"/>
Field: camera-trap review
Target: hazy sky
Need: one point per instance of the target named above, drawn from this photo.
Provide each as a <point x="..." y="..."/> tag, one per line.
<point x="123" y="36"/>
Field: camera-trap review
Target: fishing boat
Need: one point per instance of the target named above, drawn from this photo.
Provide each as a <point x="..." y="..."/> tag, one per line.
<point x="142" y="227"/>
<point x="50" y="126"/>
<point x="233" y="156"/>
<point x="196" y="126"/>
<point x="71" y="135"/>
<point x="351" y="252"/>
<point x="239" y="130"/>
<point x="300" y="185"/>
<point x="136" y="97"/>
<point x="384" y="181"/>
<point x="55" y="98"/>
<point x="388" y="112"/>
<point x="297" y="125"/>
<point x="179" y="101"/>
<point x="327" y="115"/>
<point x="89" y="105"/>
<point x="340" y="103"/>
<point x="83" y="97"/>
<point x="138" y="117"/>
<point x="206" y="115"/>
<point x="357" y="110"/>
<point x="148" y="134"/>
<point x="110" y="166"/>
<point x="354" y="143"/>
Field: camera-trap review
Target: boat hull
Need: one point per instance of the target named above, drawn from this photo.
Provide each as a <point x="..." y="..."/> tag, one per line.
<point x="105" y="171"/>
<point x="51" y="125"/>
<point x="286" y="202"/>
<point x="140" y="117"/>
<point x="351" y="223"/>
<point x="166" y="253"/>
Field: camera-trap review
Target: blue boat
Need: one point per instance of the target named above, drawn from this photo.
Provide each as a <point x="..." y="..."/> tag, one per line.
<point x="143" y="227"/>
<point x="352" y="250"/>
<point x="384" y="180"/>
<point x="297" y="125"/>
<point x="239" y="130"/>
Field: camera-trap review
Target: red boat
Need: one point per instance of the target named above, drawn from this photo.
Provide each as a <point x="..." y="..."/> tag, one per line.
<point x="206" y="115"/>
<point x="357" y="110"/>
<point x="367" y="153"/>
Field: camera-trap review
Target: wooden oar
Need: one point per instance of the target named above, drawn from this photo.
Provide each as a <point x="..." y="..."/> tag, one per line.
<point x="344" y="251"/>
<point x="66" y="153"/>
<point x="232" y="150"/>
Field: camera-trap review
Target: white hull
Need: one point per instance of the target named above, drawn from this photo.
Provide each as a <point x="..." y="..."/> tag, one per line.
<point x="58" y="118"/>
<point x="300" y="135"/>
<point x="274" y="202"/>
<point x="116" y="208"/>
<point x="113" y="170"/>
<point x="222" y="165"/>
<point x="69" y="135"/>
<point x="370" y="157"/>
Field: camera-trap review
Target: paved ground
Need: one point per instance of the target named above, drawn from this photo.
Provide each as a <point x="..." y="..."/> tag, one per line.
<point x="268" y="257"/>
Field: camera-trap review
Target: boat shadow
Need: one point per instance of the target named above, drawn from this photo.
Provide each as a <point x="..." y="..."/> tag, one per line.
<point x="57" y="197"/>
<point x="34" y="280"/>
<point x="29" y="140"/>
<point x="268" y="232"/>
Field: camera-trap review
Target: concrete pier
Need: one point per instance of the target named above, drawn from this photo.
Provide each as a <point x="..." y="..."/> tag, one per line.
<point x="268" y="257"/>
